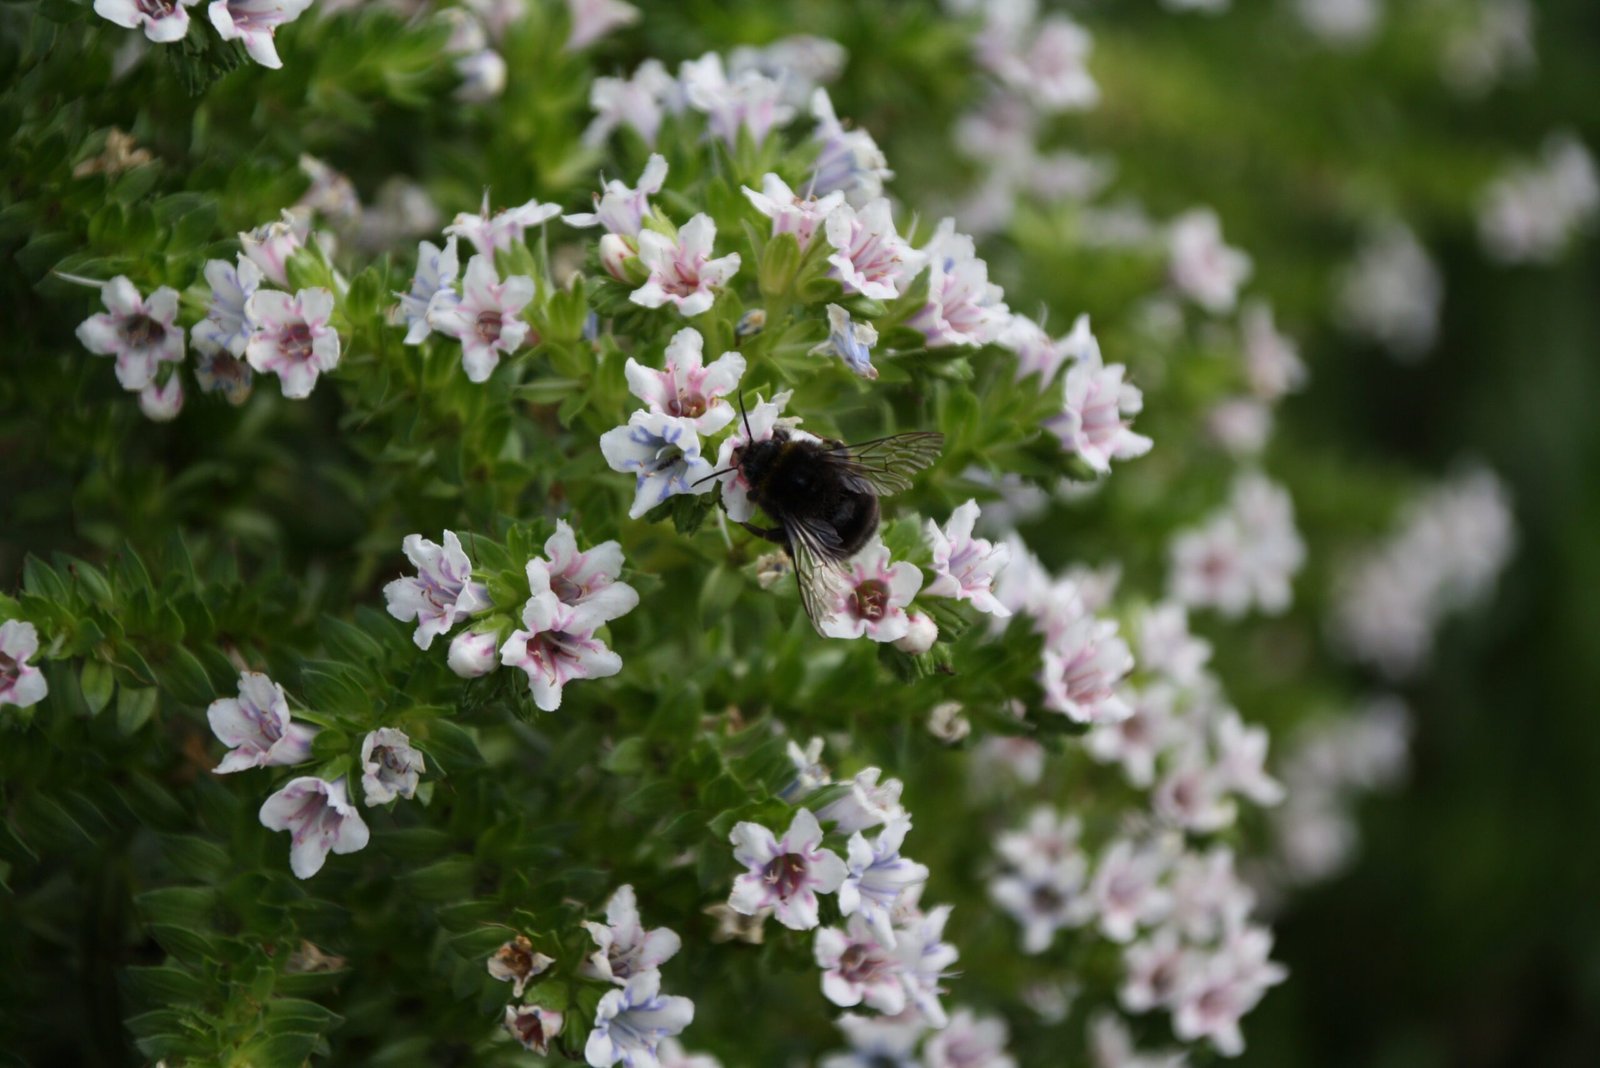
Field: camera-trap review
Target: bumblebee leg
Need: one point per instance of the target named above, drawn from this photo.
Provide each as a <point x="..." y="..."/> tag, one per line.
<point x="774" y="534"/>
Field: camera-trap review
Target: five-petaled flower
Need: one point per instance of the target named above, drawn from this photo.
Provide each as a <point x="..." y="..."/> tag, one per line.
<point x="256" y="727"/>
<point x="390" y="766"/>
<point x="682" y="271"/>
<point x="871" y="600"/>
<point x="271" y="244"/>
<point x="629" y="1024"/>
<point x="442" y="591"/>
<point x="141" y="333"/>
<point x="516" y="962"/>
<point x="585" y="582"/>
<point x="965" y="567"/>
<point x="432" y="286"/>
<point x="662" y="452"/>
<point x="685" y="388"/>
<point x="858" y="968"/>
<point x="320" y="817"/>
<point x="1097" y="406"/>
<point x="618" y="208"/>
<point x="850" y="341"/>
<point x="21" y="683"/>
<point x="868" y="256"/>
<point x="227" y="326"/>
<point x="626" y="949"/>
<point x="294" y="339"/>
<point x="554" y="649"/>
<point x="499" y="231"/>
<point x="790" y="212"/>
<point x="876" y="877"/>
<point x="487" y="320"/>
<point x="786" y="874"/>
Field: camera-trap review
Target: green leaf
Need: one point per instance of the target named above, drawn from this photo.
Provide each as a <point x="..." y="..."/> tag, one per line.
<point x="135" y="706"/>
<point x="98" y="684"/>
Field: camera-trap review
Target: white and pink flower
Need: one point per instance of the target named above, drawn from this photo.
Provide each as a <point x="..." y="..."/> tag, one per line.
<point x="294" y="338"/>
<point x="638" y="102"/>
<point x="320" y="819"/>
<point x="749" y="102"/>
<point x="161" y="402"/>
<point x="163" y="21"/>
<point x="877" y="876"/>
<point x="491" y="233"/>
<point x="784" y="874"/>
<point x="868" y="803"/>
<point x="662" y="452"/>
<point x="587" y="582"/>
<point x="255" y="22"/>
<point x="686" y="388"/>
<point x="857" y="968"/>
<point x="964" y="307"/>
<point x="1127" y="889"/>
<point x="682" y="270"/>
<point x="848" y="161"/>
<point x="227" y="326"/>
<point x="870" y="601"/>
<point x="554" y="649"/>
<point x="442" y="592"/>
<point x="964" y="566"/>
<point x="624" y="948"/>
<point x="487" y="320"/>
<point x="1096" y="415"/>
<point x="1202" y="266"/>
<point x="618" y="208"/>
<point x="533" y="1026"/>
<point x="21" y="683"/>
<point x="594" y="19"/>
<point x="791" y="213"/>
<point x="432" y="286"/>
<point x="142" y="333"/>
<point x="869" y="257"/>
<point x="1083" y="665"/>
<point x="390" y="766"/>
<point x="270" y="245"/>
<point x="256" y="727"/>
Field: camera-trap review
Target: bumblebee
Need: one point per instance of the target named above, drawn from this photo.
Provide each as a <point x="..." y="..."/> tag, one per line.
<point x="824" y="496"/>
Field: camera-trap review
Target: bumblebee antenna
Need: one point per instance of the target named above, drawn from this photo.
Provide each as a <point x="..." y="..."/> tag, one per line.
<point x="712" y="475"/>
<point x="749" y="434"/>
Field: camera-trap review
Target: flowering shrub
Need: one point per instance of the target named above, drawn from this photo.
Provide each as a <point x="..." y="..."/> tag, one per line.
<point x="605" y="772"/>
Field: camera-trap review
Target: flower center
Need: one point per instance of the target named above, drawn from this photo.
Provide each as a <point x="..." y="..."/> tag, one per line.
<point x="530" y="1029"/>
<point x="140" y="331"/>
<point x="391" y="761"/>
<point x="565" y="589"/>
<point x="860" y="964"/>
<point x="1047" y="899"/>
<point x="157" y="9"/>
<point x="667" y="457"/>
<point x="787" y="874"/>
<point x="488" y="326"/>
<point x="295" y="341"/>
<point x="871" y="600"/>
<point x="687" y="404"/>
<point x="10" y="670"/>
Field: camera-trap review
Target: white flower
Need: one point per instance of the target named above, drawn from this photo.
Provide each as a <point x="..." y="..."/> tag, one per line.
<point x="969" y="1041"/>
<point x="1045" y="61"/>
<point x="1241" y="757"/>
<point x="473" y="654"/>
<point x="850" y="341"/>
<point x="227" y="326"/>
<point x="1391" y="293"/>
<point x="1193" y="796"/>
<point x="869" y="257"/>
<point x="849" y="162"/>
<point x="1137" y="741"/>
<point x="432" y="286"/>
<point x="1047" y="839"/>
<point x="858" y="968"/>
<point x="270" y="245"/>
<point x="920" y="637"/>
<point x="1151" y="971"/>
<point x="498" y="232"/>
<point x="482" y="73"/>
<point x="877" y="1042"/>
<point x="1217" y="991"/>
<point x="1271" y="360"/>
<point x="810" y="773"/>
<point x="965" y="567"/>
<point x="1038" y="354"/>
<point x="1083" y="664"/>
<point x="924" y="957"/>
<point x="790" y="212"/>
<point x="443" y="591"/>
<point x="390" y="766"/>
<point x="533" y="1026"/>
<point x="799" y="62"/>
<point x="866" y="804"/>
<point x="1207" y="896"/>
<point x="786" y="874"/>
<point x="685" y="388"/>
<point x="759" y="423"/>
<point x="1043" y="899"/>
<point x="964" y="307"/>
<point x="877" y="876"/>
<point x="1126" y="889"/>
<point x="319" y="817"/>
<point x="671" y="1054"/>
<point x="751" y="102"/>
<point x="555" y="649"/>
<point x="1204" y="269"/>
<point x="594" y="19"/>
<point x="663" y="453"/>
<point x="254" y="22"/>
<point x="1531" y="214"/>
<point x="585" y="582"/>
<point x="293" y="339"/>
<point x="1097" y="406"/>
<point x="626" y="949"/>
<point x="682" y="272"/>
<point x="1244" y="555"/>
<point x="255" y="727"/>
<point x="515" y="962"/>
<point x="141" y="333"/>
<point x="162" y="403"/>
<point x="618" y="208"/>
<point x="871" y="600"/>
<point x="163" y="21"/>
<point x="21" y="683"/>
<point x="487" y="320"/>
<point x="1166" y="646"/>
<point x="637" y="102"/>
<point x="630" y="1023"/>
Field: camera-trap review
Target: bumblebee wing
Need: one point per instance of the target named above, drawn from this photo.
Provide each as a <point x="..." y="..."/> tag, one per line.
<point x="814" y="548"/>
<point x="886" y="465"/>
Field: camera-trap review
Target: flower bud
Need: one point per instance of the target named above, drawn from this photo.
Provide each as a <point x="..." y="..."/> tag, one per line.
<point x="270" y="245"/>
<point x="473" y="654"/>
<point x="162" y="403"/>
<point x="920" y="638"/>
<point x="615" y="252"/>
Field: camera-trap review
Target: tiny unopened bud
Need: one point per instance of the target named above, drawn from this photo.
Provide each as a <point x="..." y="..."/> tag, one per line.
<point x="920" y="638"/>
<point x="162" y="403"/>
<point x="615" y="252"/>
<point x="751" y="323"/>
<point x="947" y="724"/>
<point x="474" y="654"/>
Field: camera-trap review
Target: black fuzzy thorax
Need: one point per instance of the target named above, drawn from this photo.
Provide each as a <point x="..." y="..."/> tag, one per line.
<point x="808" y="484"/>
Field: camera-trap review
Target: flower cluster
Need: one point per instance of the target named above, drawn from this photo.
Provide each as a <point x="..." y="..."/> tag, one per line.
<point x="1530" y="214"/>
<point x="1243" y="556"/>
<point x="253" y="23"/>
